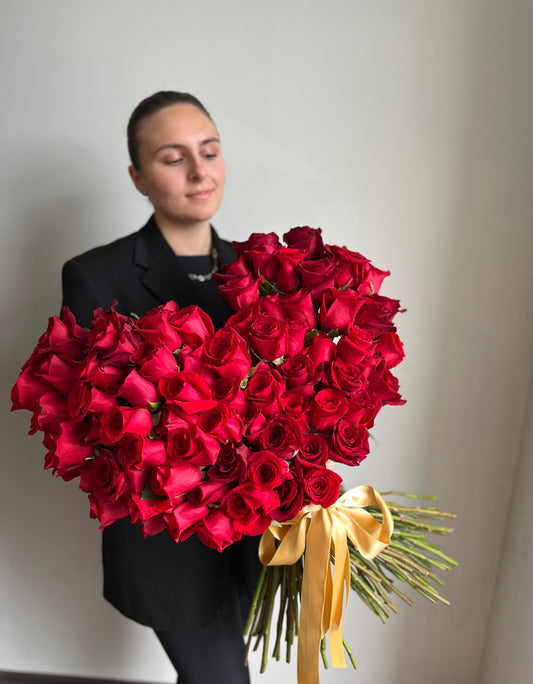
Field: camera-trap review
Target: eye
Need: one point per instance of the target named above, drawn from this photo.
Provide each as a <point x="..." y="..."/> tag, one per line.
<point x="173" y="162"/>
<point x="210" y="155"/>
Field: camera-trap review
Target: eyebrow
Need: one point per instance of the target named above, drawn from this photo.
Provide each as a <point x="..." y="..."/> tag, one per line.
<point x="179" y="146"/>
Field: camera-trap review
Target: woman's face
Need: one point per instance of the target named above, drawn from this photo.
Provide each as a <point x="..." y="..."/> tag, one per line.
<point x="181" y="167"/>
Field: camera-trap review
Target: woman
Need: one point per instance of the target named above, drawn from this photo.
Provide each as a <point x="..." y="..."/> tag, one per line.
<point x="194" y="597"/>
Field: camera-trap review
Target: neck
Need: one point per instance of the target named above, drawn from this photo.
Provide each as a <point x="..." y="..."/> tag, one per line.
<point x="186" y="240"/>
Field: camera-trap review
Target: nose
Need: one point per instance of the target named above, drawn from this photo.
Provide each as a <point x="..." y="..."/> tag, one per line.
<point x="196" y="170"/>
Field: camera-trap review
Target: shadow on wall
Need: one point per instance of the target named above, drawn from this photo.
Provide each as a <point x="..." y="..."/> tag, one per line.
<point x="51" y="563"/>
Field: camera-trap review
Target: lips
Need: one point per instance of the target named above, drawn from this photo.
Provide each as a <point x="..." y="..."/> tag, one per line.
<point x="200" y="194"/>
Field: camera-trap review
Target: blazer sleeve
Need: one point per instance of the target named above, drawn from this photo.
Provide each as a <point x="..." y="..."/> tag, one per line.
<point x="80" y="293"/>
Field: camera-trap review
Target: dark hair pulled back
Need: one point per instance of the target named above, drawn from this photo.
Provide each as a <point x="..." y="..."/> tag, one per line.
<point x="150" y="105"/>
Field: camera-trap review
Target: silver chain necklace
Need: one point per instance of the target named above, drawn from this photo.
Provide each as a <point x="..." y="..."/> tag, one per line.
<point x="202" y="277"/>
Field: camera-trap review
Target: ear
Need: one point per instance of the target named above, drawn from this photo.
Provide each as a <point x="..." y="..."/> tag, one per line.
<point x="136" y="177"/>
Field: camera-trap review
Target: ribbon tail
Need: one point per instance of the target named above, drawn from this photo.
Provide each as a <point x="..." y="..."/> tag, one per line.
<point x="315" y="575"/>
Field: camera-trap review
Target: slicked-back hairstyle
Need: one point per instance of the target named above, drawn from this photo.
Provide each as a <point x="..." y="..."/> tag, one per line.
<point x="150" y="105"/>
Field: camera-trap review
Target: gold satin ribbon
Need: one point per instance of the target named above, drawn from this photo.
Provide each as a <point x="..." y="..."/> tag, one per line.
<point x="317" y="531"/>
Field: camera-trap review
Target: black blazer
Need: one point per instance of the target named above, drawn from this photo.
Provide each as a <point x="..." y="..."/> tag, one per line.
<point x="157" y="581"/>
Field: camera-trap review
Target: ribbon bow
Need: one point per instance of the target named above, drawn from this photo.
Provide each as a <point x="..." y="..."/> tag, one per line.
<point x="317" y="531"/>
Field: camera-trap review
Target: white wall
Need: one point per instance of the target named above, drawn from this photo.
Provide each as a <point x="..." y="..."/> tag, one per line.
<point x="403" y="128"/>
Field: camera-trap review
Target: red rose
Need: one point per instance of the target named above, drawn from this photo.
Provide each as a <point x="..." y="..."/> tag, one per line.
<point x="348" y="443"/>
<point x="187" y="390"/>
<point x="68" y="451"/>
<point x="328" y="408"/>
<point x="208" y="492"/>
<point x="104" y="476"/>
<point x="347" y="377"/>
<point x="83" y="399"/>
<point x="111" y="334"/>
<point x="291" y="497"/>
<point x="350" y="266"/>
<point x="194" y="325"/>
<point x="103" y="374"/>
<point x="248" y="508"/>
<point x="356" y="346"/>
<point x="371" y="280"/>
<point x="230" y="464"/>
<point x="266" y="470"/>
<point x="322" y="486"/>
<point x="376" y="314"/>
<point x="108" y="512"/>
<point x="254" y="424"/>
<point x="282" y="268"/>
<point x="64" y="336"/>
<point x="282" y="435"/>
<point x="313" y="451"/>
<point x="225" y="355"/>
<point x="322" y="349"/>
<point x="239" y="291"/>
<point x="217" y="531"/>
<point x="294" y="403"/>
<point x="60" y="372"/>
<point x="229" y="391"/>
<point x="137" y="452"/>
<point x="156" y="325"/>
<point x="53" y="409"/>
<point x="268" y="337"/>
<point x="387" y="389"/>
<point x="299" y="371"/>
<point x="318" y="276"/>
<point x="243" y="319"/>
<point x="27" y="390"/>
<point x="194" y="445"/>
<point x="338" y="309"/>
<point x="138" y="391"/>
<point x="390" y="348"/>
<point x="257" y="241"/>
<point x="264" y="389"/>
<point x="154" y="360"/>
<point x="364" y="407"/>
<point x="307" y="239"/>
<point x="222" y="423"/>
<point x="122" y="420"/>
<point x="183" y="519"/>
<point x="174" y="481"/>
<point x="297" y="307"/>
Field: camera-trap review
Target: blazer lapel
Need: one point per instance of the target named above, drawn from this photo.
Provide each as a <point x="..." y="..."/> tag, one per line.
<point x="165" y="277"/>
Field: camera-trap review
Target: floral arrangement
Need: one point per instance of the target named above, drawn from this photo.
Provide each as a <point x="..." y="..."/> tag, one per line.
<point x="237" y="431"/>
